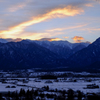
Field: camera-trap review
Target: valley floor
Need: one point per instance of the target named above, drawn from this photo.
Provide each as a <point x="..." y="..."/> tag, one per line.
<point x="50" y="83"/>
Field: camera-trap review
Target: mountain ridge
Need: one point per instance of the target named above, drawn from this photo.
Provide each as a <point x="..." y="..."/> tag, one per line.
<point x="50" y="54"/>
<point x="86" y="57"/>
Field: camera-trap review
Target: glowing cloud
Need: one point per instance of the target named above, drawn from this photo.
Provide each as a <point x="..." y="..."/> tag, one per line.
<point x="58" y="12"/>
<point x="49" y="39"/>
<point x="78" y="39"/>
<point x="66" y="37"/>
<point x="67" y="11"/>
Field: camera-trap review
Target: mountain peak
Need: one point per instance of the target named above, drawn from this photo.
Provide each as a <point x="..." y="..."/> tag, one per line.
<point x="97" y="41"/>
<point x="3" y="40"/>
<point x="25" y="41"/>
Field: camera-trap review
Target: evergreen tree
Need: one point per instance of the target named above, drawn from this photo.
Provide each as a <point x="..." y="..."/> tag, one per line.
<point x="79" y="95"/>
<point x="70" y="94"/>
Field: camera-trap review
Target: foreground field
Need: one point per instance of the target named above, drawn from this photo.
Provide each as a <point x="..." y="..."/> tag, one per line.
<point x="49" y="85"/>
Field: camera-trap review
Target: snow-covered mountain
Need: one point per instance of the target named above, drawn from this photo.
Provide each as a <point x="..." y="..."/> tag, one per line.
<point x="62" y="48"/>
<point x="49" y="54"/>
<point x="18" y="55"/>
<point x="3" y="40"/>
<point x="87" y="58"/>
<point x="10" y="40"/>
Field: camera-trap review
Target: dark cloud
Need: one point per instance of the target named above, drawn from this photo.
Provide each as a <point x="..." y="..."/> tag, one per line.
<point x="13" y="40"/>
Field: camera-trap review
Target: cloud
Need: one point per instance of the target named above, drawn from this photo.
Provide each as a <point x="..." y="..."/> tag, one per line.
<point x="90" y="29"/>
<point x="17" y="15"/>
<point x="56" y="29"/>
<point x="94" y="29"/>
<point x="16" y="7"/>
<point x="66" y="37"/>
<point x="89" y="5"/>
<point x="63" y="12"/>
<point x="13" y="40"/>
<point x="78" y="39"/>
<point x="24" y="10"/>
<point x="54" y="13"/>
<point x="49" y="39"/>
<point x="88" y="42"/>
<point x="97" y="0"/>
<point x="66" y="28"/>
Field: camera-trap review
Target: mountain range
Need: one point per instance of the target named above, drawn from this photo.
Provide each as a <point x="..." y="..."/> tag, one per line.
<point x="25" y="54"/>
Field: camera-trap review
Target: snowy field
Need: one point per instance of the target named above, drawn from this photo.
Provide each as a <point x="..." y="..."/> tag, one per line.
<point x="62" y="84"/>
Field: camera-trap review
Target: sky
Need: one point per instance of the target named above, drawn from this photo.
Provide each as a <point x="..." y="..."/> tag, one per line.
<point x="71" y="20"/>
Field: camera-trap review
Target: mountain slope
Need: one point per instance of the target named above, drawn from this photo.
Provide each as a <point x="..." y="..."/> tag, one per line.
<point x="15" y="55"/>
<point x="62" y="48"/>
<point x="38" y="54"/>
<point x="86" y="58"/>
<point x="3" y="40"/>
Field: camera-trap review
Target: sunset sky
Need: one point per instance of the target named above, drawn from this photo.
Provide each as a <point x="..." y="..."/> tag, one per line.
<point x="72" y="20"/>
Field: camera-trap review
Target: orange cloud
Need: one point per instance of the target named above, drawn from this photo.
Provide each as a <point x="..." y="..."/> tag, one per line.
<point x="55" y="39"/>
<point x="49" y="39"/>
<point x="89" y="5"/>
<point x="67" y="11"/>
<point x="78" y="39"/>
<point x="66" y="37"/>
<point x="35" y="36"/>
<point x="58" y="12"/>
